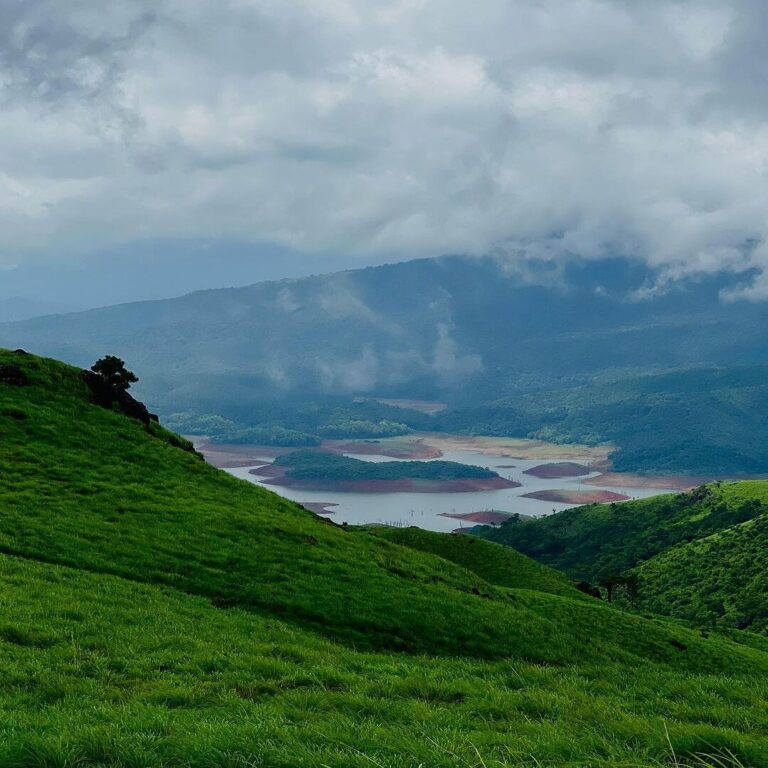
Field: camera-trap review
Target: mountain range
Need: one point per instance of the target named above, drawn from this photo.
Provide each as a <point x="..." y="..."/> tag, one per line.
<point x="575" y="352"/>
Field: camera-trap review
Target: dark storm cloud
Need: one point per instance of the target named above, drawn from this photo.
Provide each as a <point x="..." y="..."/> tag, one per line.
<point x="391" y="127"/>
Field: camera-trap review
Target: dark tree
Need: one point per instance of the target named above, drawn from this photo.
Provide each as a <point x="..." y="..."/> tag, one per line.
<point x="112" y="369"/>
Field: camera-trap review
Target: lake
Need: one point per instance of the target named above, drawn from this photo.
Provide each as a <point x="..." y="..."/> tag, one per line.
<point x="425" y="510"/>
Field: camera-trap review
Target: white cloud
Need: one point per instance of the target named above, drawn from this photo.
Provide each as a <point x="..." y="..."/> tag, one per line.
<point x="390" y="127"/>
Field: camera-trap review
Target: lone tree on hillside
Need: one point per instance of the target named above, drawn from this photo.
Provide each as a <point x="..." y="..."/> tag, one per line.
<point x="112" y="369"/>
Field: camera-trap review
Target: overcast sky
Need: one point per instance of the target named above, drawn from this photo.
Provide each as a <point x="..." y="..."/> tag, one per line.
<point x="355" y="131"/>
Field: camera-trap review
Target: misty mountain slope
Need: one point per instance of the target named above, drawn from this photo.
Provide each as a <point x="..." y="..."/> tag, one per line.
<point x="558" y="354"/>
<point x="432" y="328"/>
<point x="712" y="421"/>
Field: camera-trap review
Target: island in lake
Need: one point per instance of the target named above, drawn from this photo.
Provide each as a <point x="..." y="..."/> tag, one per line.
<point x="487" y="516"/>
<point x="568" y="496"/>
<point x="320" y="470"/>
<point x="558" y="469"/>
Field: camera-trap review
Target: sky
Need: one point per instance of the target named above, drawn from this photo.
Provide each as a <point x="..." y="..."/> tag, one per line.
<point x="150" y="147"/>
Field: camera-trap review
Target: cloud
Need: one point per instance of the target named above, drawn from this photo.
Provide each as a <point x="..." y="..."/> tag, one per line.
<point x="447" y="362"/>
<point x="393" y="128"/>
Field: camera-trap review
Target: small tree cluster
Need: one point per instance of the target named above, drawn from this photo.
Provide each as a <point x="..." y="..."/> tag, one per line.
<point x="112" y="369"/>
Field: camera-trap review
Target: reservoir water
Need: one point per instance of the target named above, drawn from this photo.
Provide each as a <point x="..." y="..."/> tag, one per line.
<point x="427" y="510"/>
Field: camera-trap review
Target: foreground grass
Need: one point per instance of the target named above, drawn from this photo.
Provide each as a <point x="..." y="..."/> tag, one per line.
<point x="99" y="671"/>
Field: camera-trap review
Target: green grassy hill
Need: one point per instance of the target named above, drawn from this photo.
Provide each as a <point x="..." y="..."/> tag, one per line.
<point x="156" y="611"/>
<point x="719" y="580"/>
<point x="494" y="563"/>
<point x="700" y="556"/>
<point x="597" y="541"/>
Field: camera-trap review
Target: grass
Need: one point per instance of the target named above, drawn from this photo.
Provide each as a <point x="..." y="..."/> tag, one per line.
<point x="719" y="580"/>
<point x="698" y="556"/>
<point x="101" y="671"/>
<point x="157" y="612"/>
<point x="495" y="563"/>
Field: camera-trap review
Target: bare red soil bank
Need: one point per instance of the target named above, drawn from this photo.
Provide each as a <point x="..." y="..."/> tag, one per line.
<point x="558" y="469"/>
<point x="562" y="496"/>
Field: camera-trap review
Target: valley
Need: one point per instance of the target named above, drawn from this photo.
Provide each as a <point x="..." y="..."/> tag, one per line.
<point x="446" y="507"/>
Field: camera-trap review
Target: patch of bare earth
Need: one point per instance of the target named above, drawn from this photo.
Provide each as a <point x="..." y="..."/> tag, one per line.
<point x="559" y="469"/>
<point x="430" y="407"/>
<point x="232" y="456"/>
<point x="319" y="507"/>
<point x="484" y="517"/>
<point x="394" y="448"/>
<point x="562" y="496"/>
<point x="662" y="482"/>
<point x="515" y="448"/>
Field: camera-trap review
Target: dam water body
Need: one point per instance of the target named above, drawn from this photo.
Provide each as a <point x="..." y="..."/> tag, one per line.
<point x="428" y="510"/>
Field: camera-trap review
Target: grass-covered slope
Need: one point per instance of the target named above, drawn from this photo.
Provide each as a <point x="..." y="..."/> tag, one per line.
<point x="598" y="541"/>
<point x="157" y="612"/>
<point x="496" y="564"/>
<point x="721" y="580"/>
<point x="700" y="556"/>
<point x="87" y="487"/>
<point x="100" y="671"/>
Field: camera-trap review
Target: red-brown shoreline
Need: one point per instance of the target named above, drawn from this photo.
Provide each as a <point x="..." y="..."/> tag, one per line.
<point x="484" y="517"/>
<point x="566" y="496"/>
<point x="557" y="470"/>
<point x="276" y="476"/>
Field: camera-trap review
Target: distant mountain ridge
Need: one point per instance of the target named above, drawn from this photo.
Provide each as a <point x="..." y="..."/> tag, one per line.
<point x="431" y="326"/>
<point x="468" y="331"/>
<point x="17" y="308"/>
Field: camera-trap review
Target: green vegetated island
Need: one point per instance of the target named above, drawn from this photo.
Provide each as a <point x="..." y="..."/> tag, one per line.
<point x="159" y="612"/>
<point x="318" y="470"/>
